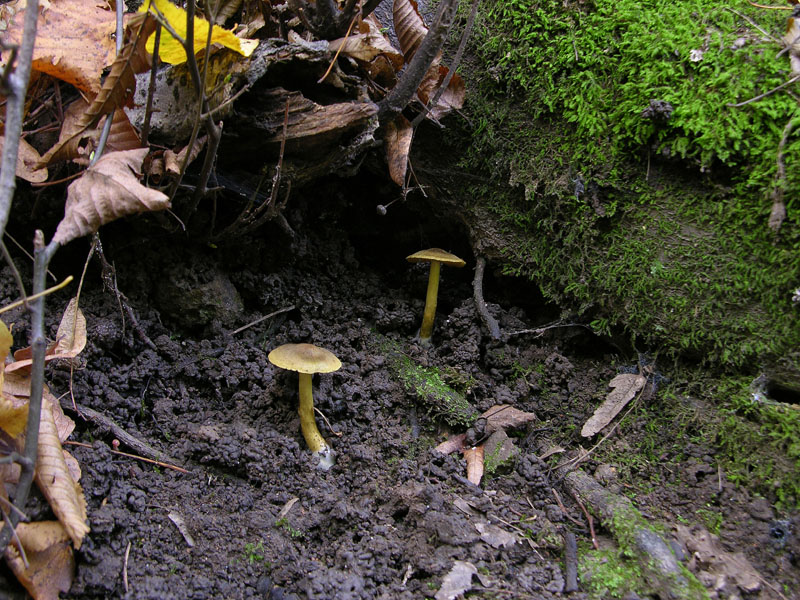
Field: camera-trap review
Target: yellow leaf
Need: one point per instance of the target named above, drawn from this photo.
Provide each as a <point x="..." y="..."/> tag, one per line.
<point x="12" y="417"/>
<point x="6" y="339"/>
<point x="51" y="566"/>
<point x="170" y="49"/>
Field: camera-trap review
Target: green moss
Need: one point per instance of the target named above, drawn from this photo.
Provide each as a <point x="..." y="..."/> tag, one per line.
<point x="758" y="443"/>
<point x="669" y="236"/>
<point x="608" y="574"/>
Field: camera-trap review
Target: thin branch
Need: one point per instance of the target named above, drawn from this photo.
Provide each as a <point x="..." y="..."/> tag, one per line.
<point x="16" y="84"/>
<point x="453" y="66"/>
<point x="39" y="295"/>
<point x="402" y="93"/>
<point x="480" y="304"/>
<point x="151" y="88"/>
<point x="778" y="211"/>
<point x="765" y="94"/>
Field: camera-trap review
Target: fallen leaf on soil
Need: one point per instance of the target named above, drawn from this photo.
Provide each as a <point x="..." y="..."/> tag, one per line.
<point x="28" y="162"/>
<point x="6" y="340"/>
<point x="71" y="337"/>
<point x="474" y="458"/>
<point x="12" y="418"/>
<point x="709" y="556"/>
<point x="74" y="41"/>
<point x="63" y="493"/>
<point x="174" y="161"/>
<point x="170" y="49"/>
<point x="108" y="190"/>
<point x="452" y="444"/>
<point x="23" y="357"/>
<point x="399" y="135"/>
<point x="51" y="566"/>
<point x="458" y="581"/>
<point x="409" y="26"/>
<point x="505" y="416"/>
<point x="625" y="387"/>
<point x="180" y="523"/>
<point x="495" y="536"/>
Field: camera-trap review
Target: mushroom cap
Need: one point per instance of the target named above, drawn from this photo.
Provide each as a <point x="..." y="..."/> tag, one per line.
<point x="437" y="254"/>
<point x="304" y="358"/>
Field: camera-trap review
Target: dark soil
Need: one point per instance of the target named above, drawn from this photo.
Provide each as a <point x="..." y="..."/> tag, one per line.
<point x="392" y="517"/>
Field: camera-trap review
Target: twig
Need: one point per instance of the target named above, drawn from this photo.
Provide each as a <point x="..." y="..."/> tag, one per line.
<point x="563" y="508"/>
<point x="765" y="94"/>
<point x="50" y="290"/>
<point x="540" y="330"/>
<point x="338" y="50"/>
<point x="753" y="23"/>
<point x="151" y="87"/>
<point x="125" y="567"/>
<point x="151" y="461"/>
<point x="453" y="66"/>
<point x="15" y="83"/>
<point x="778" y="211"/>
<point x="480" y="304"/>
<point x="260" y="319"/>
<point x="328" y="423"/>
<point x="15" y="536"/>
<point x="145" y="450"/>
<point x="401" y="94"/>
<point x="570" y="563"/>
<point x="15" y="273"/>
<point x="589" y="519"/>
<point x="24" y="250"/>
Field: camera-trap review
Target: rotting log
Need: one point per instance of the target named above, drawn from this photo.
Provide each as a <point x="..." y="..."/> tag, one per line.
<point x="637" y="538"/>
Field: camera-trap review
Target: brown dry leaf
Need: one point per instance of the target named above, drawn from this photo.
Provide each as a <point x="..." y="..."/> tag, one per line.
<point x="23" y="359"/>
<point x="625" y="387"/>
<point x="452" y="444"/>
<point x="453" y="96"/>
<point x="108" y="190"/>
<point x="409" y="26"/>
<point x="474" y="458"/>
<point x="173" y="161"/>
<point x="28" y="162"/>
<point x="505" y="416"/>
<point x="74" y="41"/>
<point x="51" y="566"/>
<point x="116" y="92"/>
<point x="64" y="425"/>
<point x="71" y="331"/>
<point x="399" y="135"/>
<point x="63" y="493"/>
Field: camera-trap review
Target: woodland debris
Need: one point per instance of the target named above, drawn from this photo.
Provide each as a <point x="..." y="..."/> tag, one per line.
<point x="570" y="563"/>
<point x="669" y="579"/>
<point x="458" y="581"/>
<point x="625" y="385"/>
<point x="477" y="291"/>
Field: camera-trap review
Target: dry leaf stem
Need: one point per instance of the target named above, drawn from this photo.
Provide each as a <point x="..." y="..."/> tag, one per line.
<point x="42" y="256"/>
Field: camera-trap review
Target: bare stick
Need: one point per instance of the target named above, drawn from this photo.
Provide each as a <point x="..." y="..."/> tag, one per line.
<point x="39" y="295"/>
<point x="125" y="567"/>
<point x="480" y="304"/>
<point x="453" y="66"/>
<point x="570" y="563"/>
<point x="260" y="319"/>
<point x="765" y="94"/>
<point x="778" y="211"/>
<point x="16" y="84"/>
<point x="588" y="520"/>
<point x="402" y="93"/>
<point x="151" y="88"/>
<point x="145" y="450"/>
<point x="151" y="461"/>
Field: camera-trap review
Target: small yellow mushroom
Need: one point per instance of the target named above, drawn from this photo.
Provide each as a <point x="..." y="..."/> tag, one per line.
<point x="308" y="359"/>
<point x="436" y="257"/>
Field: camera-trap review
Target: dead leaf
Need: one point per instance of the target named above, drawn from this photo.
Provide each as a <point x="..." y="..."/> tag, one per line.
<point x="108" y="190"/>
<point x="399" y="135"/>
<point x="12" y="417"/>
<point x="505" y="416"/>
<point x="23" y="359"/>
<point x="63" y="493"/>
<point x="458" y="581"/>
<point x="474" y="458"/>
<point x="116" y="92"/>
<point x="625" y="387"/>
<point x="171" y="51"/>
<point x="409" y="26"/>
<point x="174" y="161"/>
<point x="51" y="563"/>
<point x="495" y="536"/>
<point x="452" y="444"/>
<point x="28" y="160"/>
<point x="71" y="337"/>
<point x="6" y="341"/>
<point x="707" y="554"/>
<point x="74" y="42"/>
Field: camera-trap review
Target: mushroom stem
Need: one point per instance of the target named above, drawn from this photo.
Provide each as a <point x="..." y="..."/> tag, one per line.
<point x="308" y="425"/>
<point x="430" y="302"/>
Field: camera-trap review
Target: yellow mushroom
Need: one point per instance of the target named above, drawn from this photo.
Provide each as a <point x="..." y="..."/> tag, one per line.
<point x="436" y="257"/>
<point x="308" y="359"/>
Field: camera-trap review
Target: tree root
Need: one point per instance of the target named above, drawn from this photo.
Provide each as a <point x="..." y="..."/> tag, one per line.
<point x="668" y="578"/>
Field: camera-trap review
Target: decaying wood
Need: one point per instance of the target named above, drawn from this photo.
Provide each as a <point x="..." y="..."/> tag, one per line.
<point x="480" y="304"/>
<point x="669" y="579"/>
<point x="570" y="563"/>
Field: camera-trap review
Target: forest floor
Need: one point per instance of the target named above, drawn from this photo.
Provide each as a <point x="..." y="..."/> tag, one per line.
<point x="252" y="516"/>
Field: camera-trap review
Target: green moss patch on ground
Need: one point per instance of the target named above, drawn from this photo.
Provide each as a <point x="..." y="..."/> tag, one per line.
<point x="637" y="196"/>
